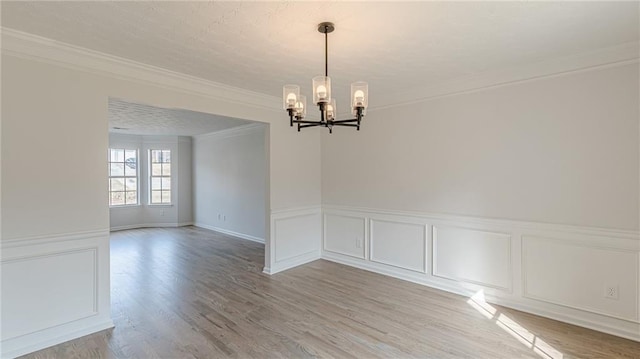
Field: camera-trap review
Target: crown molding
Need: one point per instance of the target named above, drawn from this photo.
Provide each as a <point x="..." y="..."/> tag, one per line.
<point x="28" y="46"/>
<point x="131" y="138"/>
<point x="623" y="54"/>
<point x="231" y="132"/>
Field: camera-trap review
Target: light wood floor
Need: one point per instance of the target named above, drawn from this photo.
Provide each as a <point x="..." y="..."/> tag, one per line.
<point x="194" y="293"/>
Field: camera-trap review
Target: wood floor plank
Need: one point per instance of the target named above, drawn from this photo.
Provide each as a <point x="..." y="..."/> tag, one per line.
<point x="194" y="293"/>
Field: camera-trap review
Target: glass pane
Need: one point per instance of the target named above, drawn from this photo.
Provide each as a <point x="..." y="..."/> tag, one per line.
<point x="132" y="197"/>
<point x="156" y="169"/>
<point x="132" y="184"/>
<point x="166" y="169"/>
<point x="166" y="183"/>
<point x="155" y="183"/>
<point x="156" y="197"/>
<point x="117" y="155"/>
<point x="166" y="156"/>
<point x="117" y="184"/>
<point x="131" y="163"/>
<point x="117" y="169"/>
<point x="130" y="170"/>
<point x="130" y="155"/>
<point x="156" y="156"/>
<point x="166" y="196"/>
<point x="117" y="198"/>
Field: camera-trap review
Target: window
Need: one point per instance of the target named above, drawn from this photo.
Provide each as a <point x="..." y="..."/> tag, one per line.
<point x="160" y="161"/>
<point x="123" y="177"/>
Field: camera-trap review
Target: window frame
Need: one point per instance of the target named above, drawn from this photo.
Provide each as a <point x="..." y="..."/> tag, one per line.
<point x="124" y="176"/>
<point x="152" y="176"/>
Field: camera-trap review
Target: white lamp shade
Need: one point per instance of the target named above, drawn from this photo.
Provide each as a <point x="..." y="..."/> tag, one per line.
<point x="290" y="95"/>
<point x="321" y="89"/>
<point x="359" y="94"/>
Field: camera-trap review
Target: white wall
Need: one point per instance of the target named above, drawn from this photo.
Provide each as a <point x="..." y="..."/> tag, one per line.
<point x="230" y="181"/>
<point x="527" y="192"/>
<point x="179" y="212"/>
<point x="55" y="112"/>
<point x="184" y="183"/>
<point x="555" y="150"/>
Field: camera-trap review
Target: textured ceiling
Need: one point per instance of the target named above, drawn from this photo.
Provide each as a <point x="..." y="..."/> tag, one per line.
<point x="395" y="46"/>
<point x="139" y="119"/>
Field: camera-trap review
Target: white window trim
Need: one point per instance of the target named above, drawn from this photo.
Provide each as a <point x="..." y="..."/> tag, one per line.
<point x="137" y="177"/>
<point x="151" y="176"/>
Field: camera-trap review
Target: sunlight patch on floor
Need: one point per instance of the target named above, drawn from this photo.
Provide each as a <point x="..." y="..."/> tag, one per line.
<point x="528" y="339"/>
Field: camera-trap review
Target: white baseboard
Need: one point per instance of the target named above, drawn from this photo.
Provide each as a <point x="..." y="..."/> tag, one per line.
<point x="231" y="233"/>
<point x="292" y="262"/>
<point x="40" y="340"/>
<point x="150" y="225"/>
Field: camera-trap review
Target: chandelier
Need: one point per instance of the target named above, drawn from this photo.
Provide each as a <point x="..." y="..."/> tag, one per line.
<point x="296" y="104"/>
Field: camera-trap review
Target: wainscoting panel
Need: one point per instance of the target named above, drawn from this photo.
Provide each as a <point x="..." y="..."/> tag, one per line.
<point x="296" y="235"/>
<point x="54" y="289"/>
<point x="40" y="286"/>
<point x="556" y="271"/>
<point x="398" y="244"/>
<point x="472" y="256"/>
<point x="345" y="235"/>
<point x="578" y="275"/>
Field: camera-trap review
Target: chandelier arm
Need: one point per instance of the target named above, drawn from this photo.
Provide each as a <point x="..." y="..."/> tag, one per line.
<point x="311" y="125"/>
<point x="307" y="122"/>
<point x="346" y="121"/>
<point x="346" y="124"/>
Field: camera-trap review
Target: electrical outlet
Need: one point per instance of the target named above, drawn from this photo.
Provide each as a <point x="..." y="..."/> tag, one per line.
<point x="611" y="292"/>
<point x="161" y="213"/>
<point x="358" y="243"/>
<point x="219" y="216"/>
<point x="224" y="218"/>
